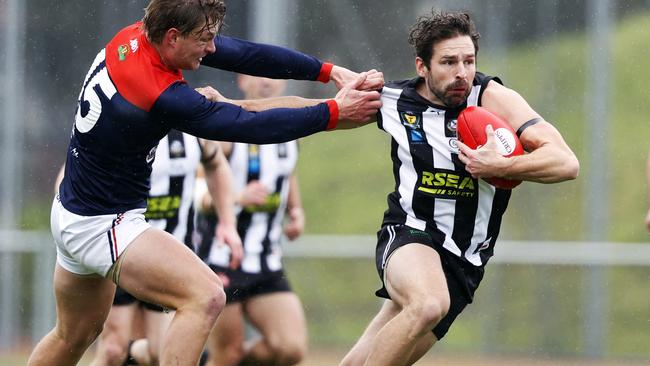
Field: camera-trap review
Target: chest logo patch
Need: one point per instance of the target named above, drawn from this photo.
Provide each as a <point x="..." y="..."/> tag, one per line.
<point x="411" y="119"/>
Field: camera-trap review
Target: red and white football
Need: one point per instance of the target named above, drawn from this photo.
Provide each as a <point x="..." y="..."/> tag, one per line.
<point x="472" y="122"/>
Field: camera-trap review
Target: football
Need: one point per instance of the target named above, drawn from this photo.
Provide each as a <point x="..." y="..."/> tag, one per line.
<point x="472" y="122"/>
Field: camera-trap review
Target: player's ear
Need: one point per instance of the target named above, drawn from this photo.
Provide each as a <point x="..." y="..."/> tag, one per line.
<point x="421" y="67"/>
<point x="171" y="36"/>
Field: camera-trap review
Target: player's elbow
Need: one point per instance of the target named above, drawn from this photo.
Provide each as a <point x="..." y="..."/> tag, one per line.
<point x="570" y="168"/>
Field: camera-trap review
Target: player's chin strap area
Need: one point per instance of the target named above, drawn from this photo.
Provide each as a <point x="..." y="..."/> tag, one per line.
<point x="527" y="124"/>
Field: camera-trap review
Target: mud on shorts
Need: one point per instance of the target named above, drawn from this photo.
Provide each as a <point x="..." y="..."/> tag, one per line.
<point x="92" y="244"/>
<point x="462" y="278"/>
<point x="241" y="286"/>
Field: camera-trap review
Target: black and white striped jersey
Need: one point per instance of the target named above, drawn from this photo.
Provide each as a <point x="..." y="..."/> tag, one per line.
<point x="170" y="201"/>
<point x="433" y="191"/>
<point x="260" y="227"/>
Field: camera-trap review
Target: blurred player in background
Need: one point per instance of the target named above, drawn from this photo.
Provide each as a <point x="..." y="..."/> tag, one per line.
<point x="170" y="207"/>
<point x="133" y="95"/>
<point x="258" y="291"/>
<point x="442" y="220"/>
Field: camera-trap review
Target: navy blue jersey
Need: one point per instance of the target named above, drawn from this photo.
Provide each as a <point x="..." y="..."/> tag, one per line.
<point x="130" y="100"/>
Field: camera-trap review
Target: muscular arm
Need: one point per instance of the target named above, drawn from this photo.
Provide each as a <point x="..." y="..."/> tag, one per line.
<point x="549" y="158"/>
<point x="258" y="105"/>
<point x="186" y="110"/>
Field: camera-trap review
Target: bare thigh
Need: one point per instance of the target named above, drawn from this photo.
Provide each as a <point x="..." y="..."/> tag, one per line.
<point x="278" y="315"/>
<point x="82" y="304"/>
<point x="414" y="272"/>
<point x="159" y="269"/>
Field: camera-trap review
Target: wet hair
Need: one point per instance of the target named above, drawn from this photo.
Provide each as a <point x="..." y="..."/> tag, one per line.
<point x="440" y="26"/>
<point x="185" y="15"/>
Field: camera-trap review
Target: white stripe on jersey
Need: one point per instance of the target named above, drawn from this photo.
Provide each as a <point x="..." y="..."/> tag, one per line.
<point x="166" y="166"/>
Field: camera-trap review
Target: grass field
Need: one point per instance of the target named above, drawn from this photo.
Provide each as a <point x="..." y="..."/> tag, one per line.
<point x="329" y="357"/>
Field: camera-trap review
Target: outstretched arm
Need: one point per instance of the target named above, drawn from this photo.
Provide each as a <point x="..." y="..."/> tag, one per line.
<point x="276" y="62"/>
<point x="258" y="105"/>
<point x="186" y="110"/>
<point x="549" y="158"/>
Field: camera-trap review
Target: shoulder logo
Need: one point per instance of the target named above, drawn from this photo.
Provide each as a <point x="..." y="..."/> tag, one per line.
<point x="134" y="45"/>
<point x="122" y="51"/>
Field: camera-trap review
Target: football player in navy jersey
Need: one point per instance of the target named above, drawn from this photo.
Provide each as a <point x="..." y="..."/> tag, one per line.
<point x="442" y="220"/>
<point x="133" y="95"/>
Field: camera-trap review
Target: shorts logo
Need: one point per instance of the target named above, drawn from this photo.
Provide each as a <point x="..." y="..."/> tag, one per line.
<point x="122" y="51"/>
<point x="484" y="245"/>
<point x="448" y="184"/>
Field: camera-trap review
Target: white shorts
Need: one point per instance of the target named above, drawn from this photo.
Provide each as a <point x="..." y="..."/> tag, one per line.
<point x="91" y="244"/>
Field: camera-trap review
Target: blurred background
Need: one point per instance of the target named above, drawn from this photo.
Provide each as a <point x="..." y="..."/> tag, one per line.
<point x="571" y="274"/>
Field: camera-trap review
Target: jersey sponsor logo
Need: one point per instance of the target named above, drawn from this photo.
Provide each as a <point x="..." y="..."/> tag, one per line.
<point x="449" y="184"/>
<point x="452" y="125"/>
<point x="122" y="51"/>
<point x="271" y="205"/>
<point x="162" y="207"/>
<point x="411" y="119"/>
<point x="453" y="145"/>
<point x="134" y="45"/>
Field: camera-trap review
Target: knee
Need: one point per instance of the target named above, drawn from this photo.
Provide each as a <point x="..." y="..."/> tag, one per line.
<point x="428" y="312"/>
<point x="232" y="354"/>
<point x="287" y="351"/>
<point x="81" y="338"/>
<point x="113" y="353"/>
<point x="210" y="300"/>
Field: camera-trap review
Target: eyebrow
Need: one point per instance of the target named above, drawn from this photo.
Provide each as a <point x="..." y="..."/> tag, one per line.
<point x="455" y="57"/>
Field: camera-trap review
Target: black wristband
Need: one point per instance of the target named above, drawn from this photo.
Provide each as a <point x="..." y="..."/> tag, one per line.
<point x="529" y="123"/>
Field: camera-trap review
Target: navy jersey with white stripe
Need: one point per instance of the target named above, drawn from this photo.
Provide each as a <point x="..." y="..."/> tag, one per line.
<point x="260" y="227"/>
<point x="170" y="201"/>
<point x="433" y="191"/>
<point x="130" y="100"/>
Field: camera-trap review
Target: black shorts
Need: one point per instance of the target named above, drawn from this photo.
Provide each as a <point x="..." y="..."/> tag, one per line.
<point x="462" y="278"/>
<point x="124" y="298"/>
<point x="241" y="286"/>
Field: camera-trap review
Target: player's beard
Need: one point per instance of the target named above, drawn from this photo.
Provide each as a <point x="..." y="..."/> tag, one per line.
<point x="447" y="97"/>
